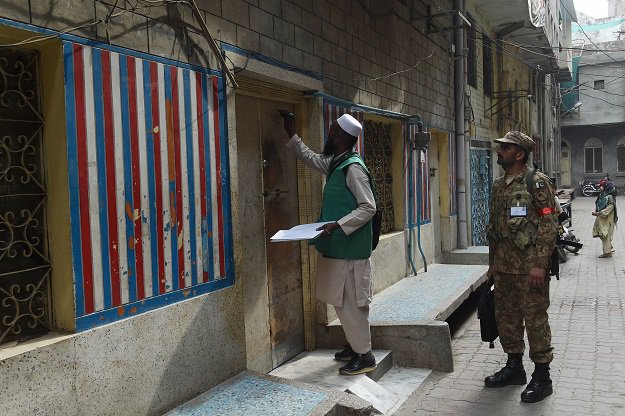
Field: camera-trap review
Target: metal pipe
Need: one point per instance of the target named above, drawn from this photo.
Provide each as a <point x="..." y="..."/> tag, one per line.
<point x="459" y="125"/>
<point x="425" y="263"/>
<point x="410" y="205"/>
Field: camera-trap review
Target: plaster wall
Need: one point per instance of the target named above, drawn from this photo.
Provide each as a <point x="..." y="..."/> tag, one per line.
<point x="594" y="108"/>
<point x="577" y="137"/>
<point x="144" y="365"/>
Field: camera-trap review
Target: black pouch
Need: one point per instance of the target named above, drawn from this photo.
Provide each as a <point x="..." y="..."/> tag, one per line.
<point x="376" y="224"/>
<point x="486" y="315"/>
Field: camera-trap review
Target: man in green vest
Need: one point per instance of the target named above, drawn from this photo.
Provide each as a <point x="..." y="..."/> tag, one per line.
<point x="343" y="264"/>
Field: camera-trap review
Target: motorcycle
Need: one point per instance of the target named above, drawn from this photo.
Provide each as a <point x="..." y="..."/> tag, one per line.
<point x="592" y="188"/>
<point x="567" y="241"/>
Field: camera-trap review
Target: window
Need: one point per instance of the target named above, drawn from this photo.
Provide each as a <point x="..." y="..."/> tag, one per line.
<point x="599" y="84"/>
<point x="593" y="156"/>
<point x="488" y="65"/>
<point x="620" y="156"/>
<point x="471" y="55"/>
<point x="378" y="157"/>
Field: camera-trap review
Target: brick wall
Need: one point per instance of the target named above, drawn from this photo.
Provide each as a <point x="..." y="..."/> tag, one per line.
<point x="349" y="42"/>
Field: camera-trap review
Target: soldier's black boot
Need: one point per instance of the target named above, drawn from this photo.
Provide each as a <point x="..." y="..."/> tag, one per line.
<point x="512" y="374"/>
<point x="539" y="387"/>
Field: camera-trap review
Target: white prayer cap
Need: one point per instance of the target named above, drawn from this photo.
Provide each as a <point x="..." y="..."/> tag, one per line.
<point x="349" y="125"/>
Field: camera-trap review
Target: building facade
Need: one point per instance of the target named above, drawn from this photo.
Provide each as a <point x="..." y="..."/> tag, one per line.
<point x="593" y="146"/>
<point x="144" y="169"/>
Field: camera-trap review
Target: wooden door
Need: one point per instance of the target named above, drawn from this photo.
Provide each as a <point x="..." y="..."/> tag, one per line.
<point x="268" y="194"/>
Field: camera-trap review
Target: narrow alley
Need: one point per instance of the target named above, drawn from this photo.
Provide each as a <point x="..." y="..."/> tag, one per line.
<point x="587" y="316"/>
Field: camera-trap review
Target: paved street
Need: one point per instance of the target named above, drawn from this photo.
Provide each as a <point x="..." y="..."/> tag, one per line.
<point x="588" y="323"/>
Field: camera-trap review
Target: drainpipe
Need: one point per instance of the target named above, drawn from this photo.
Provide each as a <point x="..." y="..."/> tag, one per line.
<point x="459" y="124"/>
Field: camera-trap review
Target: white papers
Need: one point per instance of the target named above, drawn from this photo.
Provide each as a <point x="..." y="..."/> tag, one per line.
<point x="299" y="232"/>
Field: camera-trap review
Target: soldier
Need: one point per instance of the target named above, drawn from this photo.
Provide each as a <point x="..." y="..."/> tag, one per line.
<point x="522" y="234"/>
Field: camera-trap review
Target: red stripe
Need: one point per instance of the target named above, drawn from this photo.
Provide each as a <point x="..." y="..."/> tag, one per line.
<point x="200" y="128"/>
<point x="109" y="142"/>
<point x="83" y="179"/>
<point x="220" y="219"/>
<point x="179" y="208"/>
<point x="136" y="186"/>
<point x="156" y="137"/>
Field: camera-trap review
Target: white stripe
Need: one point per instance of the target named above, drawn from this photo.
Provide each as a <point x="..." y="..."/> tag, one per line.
<point x="146" y="238"/>
<point x="213" y="175"/>
<point x="162" y="125"/>
<point x="196" y="174"/>
<point x="119" y="178"/>
<point x="185" y="236"/>
<point x="93" y="195"/>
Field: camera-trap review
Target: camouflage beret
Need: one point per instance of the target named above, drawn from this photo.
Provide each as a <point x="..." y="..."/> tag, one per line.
<point x="520" y="139"/>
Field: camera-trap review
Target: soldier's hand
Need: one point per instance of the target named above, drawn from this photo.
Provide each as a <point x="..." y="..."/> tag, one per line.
<point x="536" y="277"/>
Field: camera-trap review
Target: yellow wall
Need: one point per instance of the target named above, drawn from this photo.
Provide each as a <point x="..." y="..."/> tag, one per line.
<point x="443" y="171"/>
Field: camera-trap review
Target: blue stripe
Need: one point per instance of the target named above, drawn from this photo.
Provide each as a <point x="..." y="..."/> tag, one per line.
<point x="189" y="121"/>
<point x="225" y="175"/>
<point x="131" y="274"/>
<point x="116" y="314"/>
<point x="173" y="229"/>
<point x="207" y="222"/>
<point x="271" y="61"/>
<point x="98" y="101"/>
<point x="74" y="191"/>
<point x="149" y="139"/>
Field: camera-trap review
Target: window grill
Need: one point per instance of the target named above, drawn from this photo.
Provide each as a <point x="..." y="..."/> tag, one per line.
<point x="378" y="159"/>
<point x="24" y="261"/>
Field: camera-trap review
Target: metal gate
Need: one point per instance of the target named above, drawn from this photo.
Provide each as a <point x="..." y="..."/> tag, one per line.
<point x="481" y="180"/>
<point x="24" y="261"/>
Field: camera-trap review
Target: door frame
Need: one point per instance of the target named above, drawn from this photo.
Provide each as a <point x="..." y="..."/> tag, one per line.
<point x="305" y="124"/>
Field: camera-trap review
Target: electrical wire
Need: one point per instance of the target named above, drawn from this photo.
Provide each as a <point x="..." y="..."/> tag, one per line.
<point x="145" y="4"/>
<point x="601" y="99"/>
<point x="583" y="31"/>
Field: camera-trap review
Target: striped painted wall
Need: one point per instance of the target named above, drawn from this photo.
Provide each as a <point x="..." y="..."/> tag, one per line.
<point x="149" y="183"/>
<point x="333" y="111"/>
<point x="453" y="194"/>
<point x="416" y="181"/>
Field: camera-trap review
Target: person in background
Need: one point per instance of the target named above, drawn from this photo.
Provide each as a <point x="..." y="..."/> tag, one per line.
<point x="344" y="248"/>
<point x="606" y="217"/>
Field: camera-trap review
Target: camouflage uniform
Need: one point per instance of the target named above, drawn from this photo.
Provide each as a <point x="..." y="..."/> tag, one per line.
<point x="522" y="233"/>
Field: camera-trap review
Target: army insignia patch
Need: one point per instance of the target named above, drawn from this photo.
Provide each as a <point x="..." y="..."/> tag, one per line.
<point x="540" y="185"/>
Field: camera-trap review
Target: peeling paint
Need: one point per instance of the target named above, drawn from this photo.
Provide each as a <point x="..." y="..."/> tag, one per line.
<point x="155" y="129"/>
<point x="186" y="292"/>
<point x="129" y="213"/>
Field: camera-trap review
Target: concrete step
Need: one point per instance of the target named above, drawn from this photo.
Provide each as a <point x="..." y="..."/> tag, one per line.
<point x="251" y="393"/>
<point x="321" y="369"/>
<point x="470" y="255"/>
<point x="409" y="317"/>
<point x="394" y="385"/>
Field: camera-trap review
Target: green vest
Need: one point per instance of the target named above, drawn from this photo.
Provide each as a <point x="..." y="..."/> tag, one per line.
<point x="338" y="201"/>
